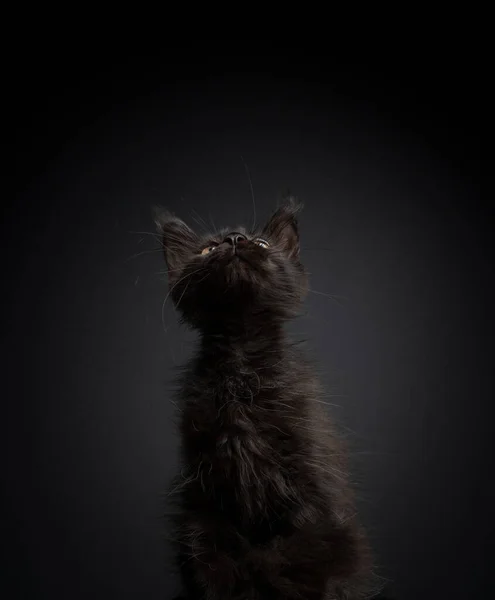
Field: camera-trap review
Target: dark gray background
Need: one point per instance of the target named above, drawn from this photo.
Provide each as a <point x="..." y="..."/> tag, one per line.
<point x="389" y="171"/>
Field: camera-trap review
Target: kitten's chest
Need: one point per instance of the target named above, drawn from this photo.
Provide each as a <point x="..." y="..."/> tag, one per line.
<point x="242" y="449"/>
<point x="224" y="406"/>
<point x="230" y="441"/>
<point x="225" y="428"/>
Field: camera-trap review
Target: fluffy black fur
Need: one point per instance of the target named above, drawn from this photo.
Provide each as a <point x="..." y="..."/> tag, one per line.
<point x="265" y="508"/>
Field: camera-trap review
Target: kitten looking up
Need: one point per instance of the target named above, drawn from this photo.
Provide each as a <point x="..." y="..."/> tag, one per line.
<point x="265" y="511"/>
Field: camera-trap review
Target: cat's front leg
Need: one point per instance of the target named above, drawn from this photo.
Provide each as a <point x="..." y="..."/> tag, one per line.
<point x="207" y="570"/>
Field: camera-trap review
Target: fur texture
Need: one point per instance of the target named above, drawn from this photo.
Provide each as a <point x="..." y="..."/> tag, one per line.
<point x="265" y="511"/>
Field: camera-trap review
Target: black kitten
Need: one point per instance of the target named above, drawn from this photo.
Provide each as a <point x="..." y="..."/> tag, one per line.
<point x="265" y="510"/>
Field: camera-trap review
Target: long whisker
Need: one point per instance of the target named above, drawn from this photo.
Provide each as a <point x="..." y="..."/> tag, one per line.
<point x="252" y="192"/>
<point x="166" y="271"/>
<point x="183" y="292"/>
<point x="200" y="221"/>
<point x="212" y="222"/>
<point x="156" y="235"/>
<point x="172" y="289"/>
<point x="333" y="296"/>
<point x="143" y="252"/>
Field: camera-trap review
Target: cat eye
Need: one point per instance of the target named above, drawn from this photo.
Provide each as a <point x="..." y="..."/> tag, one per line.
<point x="207" y="250"/>
<point x="261" y="242"/>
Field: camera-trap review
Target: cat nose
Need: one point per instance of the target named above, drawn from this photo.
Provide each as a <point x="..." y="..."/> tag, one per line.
<point x="234" y="238"/>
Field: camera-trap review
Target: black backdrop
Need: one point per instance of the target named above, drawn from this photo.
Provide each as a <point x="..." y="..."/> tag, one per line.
<point x="400" y="322"/>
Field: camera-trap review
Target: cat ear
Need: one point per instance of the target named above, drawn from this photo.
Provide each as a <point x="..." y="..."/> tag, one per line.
<point x="178" y="240"/>
<point x="282" y="226"/>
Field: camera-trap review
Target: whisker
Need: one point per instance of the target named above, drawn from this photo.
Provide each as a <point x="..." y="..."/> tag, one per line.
<point x="332" y="296"/>
<point x="156" y="235"/>
<point x="200" y="221"/>
<point x="168" y="271"/>
<point x="252" y="192"/>
<point x="143" y="252"/>
<point x="212" y="222"/>
<point x="183" y="292"/>
<point x="172" y="289"/>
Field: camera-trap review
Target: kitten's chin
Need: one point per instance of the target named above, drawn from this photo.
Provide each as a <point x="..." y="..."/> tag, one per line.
<point x="243" y="262"/>
<point x="236" y="267"/>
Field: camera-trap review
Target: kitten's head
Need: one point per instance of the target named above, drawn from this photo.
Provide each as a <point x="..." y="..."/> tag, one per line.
<point x="235" y="275"/>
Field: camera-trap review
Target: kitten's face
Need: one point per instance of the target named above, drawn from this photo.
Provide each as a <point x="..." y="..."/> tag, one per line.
<point x="231" y="275"/>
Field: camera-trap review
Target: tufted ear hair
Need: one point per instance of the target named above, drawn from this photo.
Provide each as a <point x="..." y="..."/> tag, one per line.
<point x="282" y="226"/>
<point x="178" y="241"/>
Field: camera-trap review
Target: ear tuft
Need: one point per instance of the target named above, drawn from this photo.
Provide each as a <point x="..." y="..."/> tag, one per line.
<point x="178" y="240"/>
<point x="161" y="216"/>
<point x="282" y="226"/>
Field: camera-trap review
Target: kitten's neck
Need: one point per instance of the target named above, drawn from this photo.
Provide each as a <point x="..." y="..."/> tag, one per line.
<point x="251" y="345"/>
